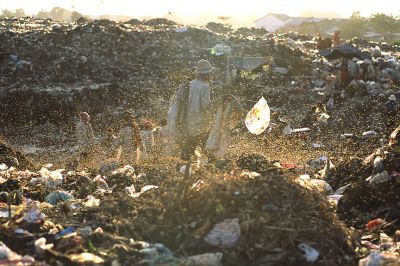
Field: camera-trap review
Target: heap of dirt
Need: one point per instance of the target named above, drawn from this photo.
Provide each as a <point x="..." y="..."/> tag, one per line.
<point x="348" y="171"/>
<point x="275" y="216"/>
<point x="362" y="202"/>
<point x="92" y="64"/>
<point x="12" y="157"/>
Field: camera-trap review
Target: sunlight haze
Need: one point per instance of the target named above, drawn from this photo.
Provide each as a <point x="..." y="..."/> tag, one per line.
<point x="190" y="11"/>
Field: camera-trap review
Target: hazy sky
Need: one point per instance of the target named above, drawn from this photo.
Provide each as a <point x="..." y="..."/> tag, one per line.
<point x="193" y="10"/>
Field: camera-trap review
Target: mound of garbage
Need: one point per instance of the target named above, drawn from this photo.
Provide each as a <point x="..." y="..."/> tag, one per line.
<point x="239" y="210"/>
<point x="10" y="157"/>
<point x="56" y="69"/>
<point x="127" y="216"/>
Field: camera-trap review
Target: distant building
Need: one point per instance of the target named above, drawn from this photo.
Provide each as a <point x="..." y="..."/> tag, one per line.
<point x="273" y="22"/>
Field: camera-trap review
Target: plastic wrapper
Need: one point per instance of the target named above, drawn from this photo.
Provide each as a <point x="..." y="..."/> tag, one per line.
<point x="257" y="120"/>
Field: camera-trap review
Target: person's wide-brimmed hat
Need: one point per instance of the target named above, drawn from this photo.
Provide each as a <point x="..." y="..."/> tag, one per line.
<point x="392" y="97"/>
<point x="204" y="67"/>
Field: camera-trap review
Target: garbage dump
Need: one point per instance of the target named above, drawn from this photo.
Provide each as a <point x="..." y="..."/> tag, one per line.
<point x="301" y="166"/>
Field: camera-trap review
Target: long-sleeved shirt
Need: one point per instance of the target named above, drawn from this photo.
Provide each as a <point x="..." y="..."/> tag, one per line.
<point x="84" y="135"/>
<point x="198" y="117"/>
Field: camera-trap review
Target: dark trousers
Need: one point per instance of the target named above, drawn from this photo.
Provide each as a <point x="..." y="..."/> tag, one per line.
<point x="190" y="143"/>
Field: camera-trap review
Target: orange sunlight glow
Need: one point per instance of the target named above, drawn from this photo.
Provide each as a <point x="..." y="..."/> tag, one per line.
<point x="195" y="11"/>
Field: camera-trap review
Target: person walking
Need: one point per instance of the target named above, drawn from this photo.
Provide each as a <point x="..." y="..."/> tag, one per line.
<point x="193" y="112"/>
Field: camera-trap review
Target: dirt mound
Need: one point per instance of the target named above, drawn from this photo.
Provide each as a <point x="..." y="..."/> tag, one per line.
<point x="363" y="201"/>
<point x="275" y="216"/>
<point x="349" y="171"/>
<point x="12" y="157"/>
<point x="253" y="162"/>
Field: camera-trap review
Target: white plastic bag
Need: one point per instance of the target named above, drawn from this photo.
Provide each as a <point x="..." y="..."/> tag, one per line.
<point x="258" y="118"/>
<point x="228" y="115"/>
<point x="41" y="246"/>
<point x="173" y="109"/>
<point x="323" y="118"/>
<point x="376" y="258"/>
<point x="209" y="259"/>
<point x="213" y="141"/>
<point x="51" y="179"/>
<point x="311" y="254"/>
<point x="225" y="234"/>
<point x="171" y="120"/>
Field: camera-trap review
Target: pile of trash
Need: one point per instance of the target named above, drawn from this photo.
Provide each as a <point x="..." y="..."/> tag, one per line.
<point x="364" y="191"/>
<point x="126" y="216"/>
<point x="241" y="210"/>
<point x="10" y="157"/>
<point x="91" y="64"/>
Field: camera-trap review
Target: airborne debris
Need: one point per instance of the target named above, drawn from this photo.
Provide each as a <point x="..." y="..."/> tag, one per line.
<point x="252" y="203"/>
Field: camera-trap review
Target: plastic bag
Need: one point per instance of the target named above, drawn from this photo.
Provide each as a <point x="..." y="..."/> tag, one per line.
<point x="323" y="118"/>
<point x="311" y="254"/>
<point x="330" y="104"/>
<point x="157" y="254"/>
<point x="258" y="118"/>
<point x="210" y="259"/>
<point x="56" y="196"/>
<point x="379" y="258"/>
<point x="91" y="202"/>
<point x="85" y="257"/>
<point x="214" y="138"/>
<point x="41" y="246"/>
<point x="229" y="115"/>
<point x="178" y="102"/>
<point x="225" y="234"/>
<point x="33" y="215"/>
<point x="51" y="179"/>
<point x="171" y="127"/>
<point x="379" y="178"/>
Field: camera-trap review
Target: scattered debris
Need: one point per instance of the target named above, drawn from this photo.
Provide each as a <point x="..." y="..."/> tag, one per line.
<point x="83" y="208"/>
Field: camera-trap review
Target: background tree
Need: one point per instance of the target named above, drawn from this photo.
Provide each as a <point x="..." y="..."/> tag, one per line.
<point x="75" y="16"/>
<point x="19" y="13"/>
<point x="58" y="13"/>
<point x="356" y="26"/>
<point x="7" y="13"/>
<point x="42" y="14"/>
<point x="218" y="27"/>
<point x="385" y="23"/>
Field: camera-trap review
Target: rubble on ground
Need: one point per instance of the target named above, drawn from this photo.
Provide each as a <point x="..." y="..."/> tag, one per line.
<point x="268" y="224"/>
<point x="301" y="193"/>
